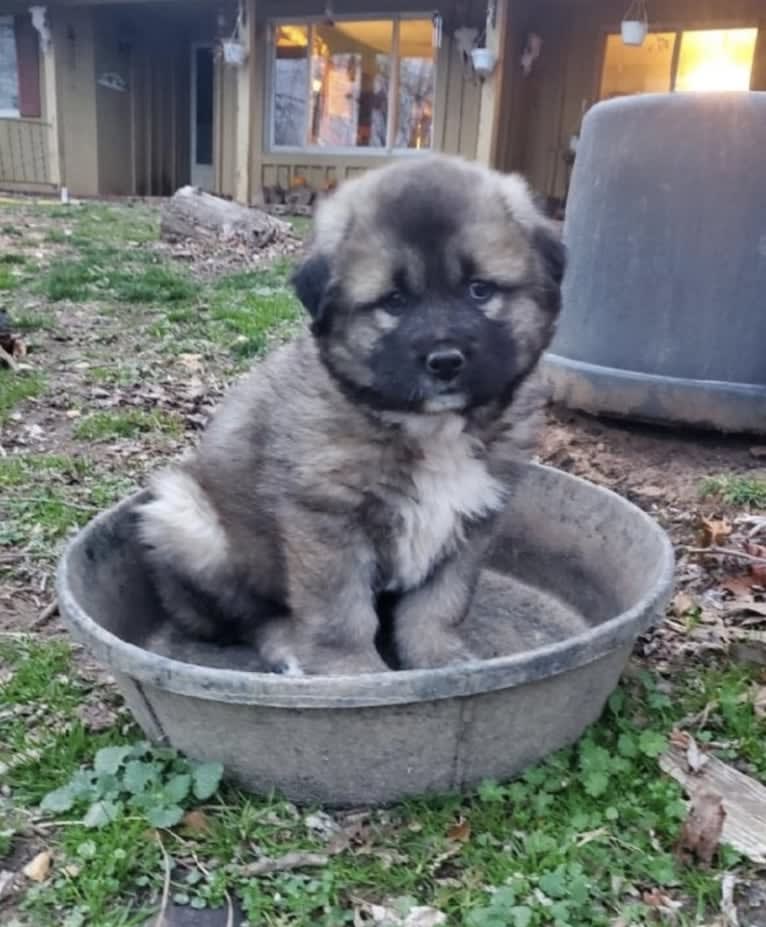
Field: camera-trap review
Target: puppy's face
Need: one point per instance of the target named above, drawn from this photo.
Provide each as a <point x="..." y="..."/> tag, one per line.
<point x="432" y="285"/>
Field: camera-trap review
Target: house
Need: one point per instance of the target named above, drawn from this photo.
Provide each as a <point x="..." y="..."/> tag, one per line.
<point x="242" y="96"/>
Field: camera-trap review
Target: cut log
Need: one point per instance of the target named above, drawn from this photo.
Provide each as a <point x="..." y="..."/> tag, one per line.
<point x="192" y="214"/>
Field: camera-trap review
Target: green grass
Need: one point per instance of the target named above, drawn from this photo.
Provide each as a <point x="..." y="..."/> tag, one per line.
<point x="130" y="423"/>
<point x="737" y="490"/>
<point x="31" y="321"/>
<point x="575" y="842"/>
<point x="15" y="388"/>
<point x="104" y="275"/>
<point x="43" y="497"/>
<point x="11" y="258"/>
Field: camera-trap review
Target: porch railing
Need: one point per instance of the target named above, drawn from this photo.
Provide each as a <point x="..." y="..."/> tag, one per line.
<point x="24" y="151"/>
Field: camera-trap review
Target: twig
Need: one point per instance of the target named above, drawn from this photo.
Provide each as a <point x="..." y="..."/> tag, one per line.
<point x="726" y="552"/>
<point x="160" y="922"/>
<point x="51" y="609"/>
<point x="230" y="910"/>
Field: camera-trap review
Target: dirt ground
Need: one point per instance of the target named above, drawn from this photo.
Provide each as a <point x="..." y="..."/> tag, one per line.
<point x="97" y="355"/>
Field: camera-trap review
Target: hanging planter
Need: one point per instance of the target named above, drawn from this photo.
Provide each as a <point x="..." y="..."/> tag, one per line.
<point x="483" y="60"/>
<point x="635" y="24"/>
<point x="233" y="52"/>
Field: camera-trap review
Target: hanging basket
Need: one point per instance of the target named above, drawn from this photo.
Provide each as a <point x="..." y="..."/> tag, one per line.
<point x="233" y="52"/>
<point x="635" y="25"/>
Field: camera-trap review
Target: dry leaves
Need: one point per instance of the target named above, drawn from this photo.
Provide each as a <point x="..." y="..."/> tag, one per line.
<point x="695" y="758"/>
<point x="285" y="863"/>
<point x="460" y="832"/>
<point x="37" y="869"/>
<point x="196" y="821"/>
<point x="682" y="604"/>
<point x="702" y="829"/>
<point x="366" y="915"/>
<point x="714" y="531"/>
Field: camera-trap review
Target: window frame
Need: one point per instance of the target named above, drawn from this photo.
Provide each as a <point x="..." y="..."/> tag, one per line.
<point x="679" y="30"/>
<point x="347" y="151"/>
<point x="7" y="112"/>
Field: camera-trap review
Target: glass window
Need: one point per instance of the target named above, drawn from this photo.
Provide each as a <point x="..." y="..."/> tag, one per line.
<point x="344" y="85"/>
<point x="709" y="59"/>
<point x="638" y="69"/>
<point x="291" y="63"/>
<point x="9" y="74"/>
<point x="350" y="71"/>
<point x="720" y="59"/>
<point x="416" y="84"/>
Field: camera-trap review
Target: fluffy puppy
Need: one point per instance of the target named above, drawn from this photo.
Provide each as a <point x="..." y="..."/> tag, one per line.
<point x="365" y="459"/>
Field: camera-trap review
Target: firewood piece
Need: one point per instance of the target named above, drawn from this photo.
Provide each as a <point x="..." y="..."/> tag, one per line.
<point x="192" y="214"/>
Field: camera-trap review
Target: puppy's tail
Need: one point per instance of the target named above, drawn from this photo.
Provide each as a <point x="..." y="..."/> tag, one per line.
<point x="181" y="527"/>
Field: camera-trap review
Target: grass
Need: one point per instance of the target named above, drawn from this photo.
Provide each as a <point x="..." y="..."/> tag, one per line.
<point x="737" y="490"/>
<point x="130" y="423"/>
<point x="575" y="842"/>
<point x="31" y="321"/>
<point x="43" y="497"/>
<point x="15" y="388"/>
<point x="243" y="313"/>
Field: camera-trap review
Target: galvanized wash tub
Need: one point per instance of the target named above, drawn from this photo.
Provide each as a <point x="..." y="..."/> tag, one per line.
<point x="578" y="575"/>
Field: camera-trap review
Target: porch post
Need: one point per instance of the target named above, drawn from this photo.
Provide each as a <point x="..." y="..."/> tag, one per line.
<point x="245" y="77"/>
<point x="41" y="22"/>
<point x="492" y="87"/>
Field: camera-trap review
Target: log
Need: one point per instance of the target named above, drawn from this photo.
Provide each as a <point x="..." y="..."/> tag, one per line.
<point x="192" y="214"/>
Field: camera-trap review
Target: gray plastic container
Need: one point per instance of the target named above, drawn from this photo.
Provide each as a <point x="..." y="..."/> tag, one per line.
<point x="664" y="313"/>
<point x="579" y="573"/>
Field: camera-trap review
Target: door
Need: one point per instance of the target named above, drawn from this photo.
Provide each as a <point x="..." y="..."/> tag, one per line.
<point x="202" y="174"/>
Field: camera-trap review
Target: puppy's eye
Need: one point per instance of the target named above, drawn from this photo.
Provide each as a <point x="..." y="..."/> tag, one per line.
<point x="481" y="291"/>
<point x="394" y="301"/>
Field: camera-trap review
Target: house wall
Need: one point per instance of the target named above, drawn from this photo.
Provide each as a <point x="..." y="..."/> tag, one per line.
<point x="73" y="39"/>
<point x="564" y="83"/>
<point x="24" y="142"/>
<point x="457" y="97"/>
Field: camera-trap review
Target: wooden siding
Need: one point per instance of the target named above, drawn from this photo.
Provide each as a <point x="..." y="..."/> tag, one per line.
<point x="564" y="83"/>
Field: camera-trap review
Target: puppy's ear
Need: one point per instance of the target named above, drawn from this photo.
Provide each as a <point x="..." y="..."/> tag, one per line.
<point x="552" y="251"/>
<point x="311" y="282"/>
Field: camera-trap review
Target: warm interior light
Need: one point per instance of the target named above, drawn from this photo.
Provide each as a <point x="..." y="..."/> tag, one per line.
<point x="719" y="59"/>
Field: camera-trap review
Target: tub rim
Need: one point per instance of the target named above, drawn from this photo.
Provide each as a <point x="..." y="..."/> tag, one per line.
<point x="368" y="690"/>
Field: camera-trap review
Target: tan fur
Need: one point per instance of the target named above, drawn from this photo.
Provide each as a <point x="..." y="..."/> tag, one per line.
<point x="325" y="479"/>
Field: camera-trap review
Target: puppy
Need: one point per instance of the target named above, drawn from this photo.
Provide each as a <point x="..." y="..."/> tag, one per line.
<point x="366" y="458"/>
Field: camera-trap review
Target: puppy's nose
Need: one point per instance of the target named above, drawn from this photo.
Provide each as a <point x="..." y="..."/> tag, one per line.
<point x="445" y="363"/>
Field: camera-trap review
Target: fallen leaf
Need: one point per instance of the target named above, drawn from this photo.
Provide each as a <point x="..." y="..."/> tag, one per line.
<point x="460" y="832"/>
<point x="72" y="871"/>
<point x="660" y="901"/>
<point x="739" y="585"/>
<point x="695" y="758"/>
<point x="196" y="821"/>
<point x="682" y="604"/>
<point x="424" y="917"/>
<point x="284" y="863"/>
<point x="37" y="869"/>
<point x="701" y="832"/>
<point x="321" y="824"/>
<point x="714" y="530"/>
<point x="96" y="716"/>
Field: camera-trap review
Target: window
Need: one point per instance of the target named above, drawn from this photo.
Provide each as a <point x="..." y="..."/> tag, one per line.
<point x="9" y="70"/>
<point x="358" y="84"/>
<point x="710" y="59"/>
